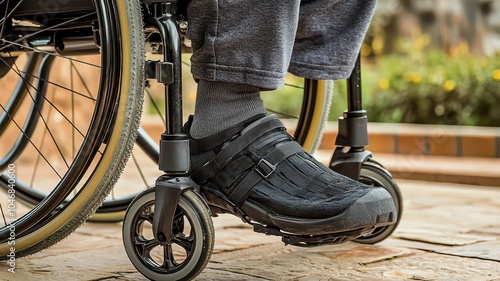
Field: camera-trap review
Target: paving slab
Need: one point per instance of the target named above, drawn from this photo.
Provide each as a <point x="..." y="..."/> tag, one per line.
<point x="487" y="251"/>
<point x="412" y="244"/>
<point x="441" y="237"/>
<point x="343" y="263"/>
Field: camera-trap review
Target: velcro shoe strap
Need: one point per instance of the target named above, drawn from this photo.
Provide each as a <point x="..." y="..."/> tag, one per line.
<point x="197" y="146"/>
<point x="226" y="176"/>
<point x="232" y="149"/>
<point x="211" y="142"/>
<point x="264" y="168"/>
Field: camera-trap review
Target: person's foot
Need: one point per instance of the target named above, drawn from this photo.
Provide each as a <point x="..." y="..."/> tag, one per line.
<point x="258" y="168"/>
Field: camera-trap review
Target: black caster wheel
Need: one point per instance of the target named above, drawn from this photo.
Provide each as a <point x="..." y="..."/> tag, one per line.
<point x="373" y="173"/>
<point x="192" y="245"/>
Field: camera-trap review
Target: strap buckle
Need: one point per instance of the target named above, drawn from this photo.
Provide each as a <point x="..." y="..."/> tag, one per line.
<point x="265" y="168"/>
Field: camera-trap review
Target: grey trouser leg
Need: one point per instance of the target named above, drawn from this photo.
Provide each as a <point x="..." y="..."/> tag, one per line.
<point x="252" y="42"/>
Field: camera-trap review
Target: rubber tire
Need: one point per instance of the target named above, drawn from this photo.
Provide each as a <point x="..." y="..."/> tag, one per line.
<point x="201" y="222"/>
<point x="375" y="173"/>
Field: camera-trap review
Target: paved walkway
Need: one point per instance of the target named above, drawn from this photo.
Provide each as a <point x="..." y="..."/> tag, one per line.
<point x="448" y="232"/>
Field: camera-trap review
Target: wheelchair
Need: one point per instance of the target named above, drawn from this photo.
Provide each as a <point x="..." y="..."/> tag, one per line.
<point x="167" y="239"/>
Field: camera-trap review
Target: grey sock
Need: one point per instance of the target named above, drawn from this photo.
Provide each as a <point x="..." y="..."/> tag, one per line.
<point x="221" y="105"/>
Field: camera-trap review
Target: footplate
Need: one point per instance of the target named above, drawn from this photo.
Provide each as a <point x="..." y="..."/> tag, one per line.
<point x="312" y="240"/>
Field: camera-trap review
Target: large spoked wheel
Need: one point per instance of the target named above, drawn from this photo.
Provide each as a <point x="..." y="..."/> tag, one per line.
<point x="66" y="134"/>
<point x="191" y="246"/>
<point x="374" y="174"/>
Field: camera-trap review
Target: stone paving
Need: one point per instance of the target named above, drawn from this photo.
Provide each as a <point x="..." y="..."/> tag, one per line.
<point x="448" y="232"/>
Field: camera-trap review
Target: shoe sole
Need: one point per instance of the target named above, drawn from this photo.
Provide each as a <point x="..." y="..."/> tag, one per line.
<point x="374" y="209"/>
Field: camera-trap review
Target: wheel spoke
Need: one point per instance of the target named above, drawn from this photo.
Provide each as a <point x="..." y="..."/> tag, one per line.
<point x="38" y="110"/>
<point x="29" y="86"/>
<point x="145" y="215"/>
<point x="145" y="246"/>
<point x="184" y="242"/>
<point x="30" y="141"/>
<point x="178" y="215"/>
<point x="45" y="98"/>
<point x="60" y="86"/>
<point x="168" y="255"/>
<point x="282" y="114"/>
<point x="40" y="31"/>
<point x="50" y="54"/>
<point x="7" y="15"/>
<point x="294" y="86"/>
<point x="72" y="112"/>
<point x="3" y="215"/>
<point x="37" y="161"/>
<point x="140" y="170"/>
<point x="157" y="109"/>
<point x="82" y="80"/>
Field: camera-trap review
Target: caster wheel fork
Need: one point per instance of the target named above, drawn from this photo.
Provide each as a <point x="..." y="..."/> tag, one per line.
<point x="186" y="255"/>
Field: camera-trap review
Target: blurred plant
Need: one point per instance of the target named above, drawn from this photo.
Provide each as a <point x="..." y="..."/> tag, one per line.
<point x="287" y="100"/>
<point x="435" y="88"/>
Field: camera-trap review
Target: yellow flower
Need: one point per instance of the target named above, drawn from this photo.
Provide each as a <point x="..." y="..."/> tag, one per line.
<point x="384" y="84"/>
<point x="496" y="74"/>
<point x="449" y="85"/>
<point x="377" y="44"/>
<point x="413" y="77"/>
<point x="463" y="48"/>
<point x="366" y="50"/>
<point x="421" y="42"/>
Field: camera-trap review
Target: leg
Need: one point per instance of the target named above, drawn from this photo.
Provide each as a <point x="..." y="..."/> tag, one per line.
<point x="244" y="42"/>
<point x="251" y="42"/>
<point x="236" y="56"/>
<point x="253" y="51"/>
<point x="329" y="37"/>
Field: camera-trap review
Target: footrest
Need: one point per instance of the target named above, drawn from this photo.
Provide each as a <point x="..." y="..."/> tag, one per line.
<point x="312" y="240"/>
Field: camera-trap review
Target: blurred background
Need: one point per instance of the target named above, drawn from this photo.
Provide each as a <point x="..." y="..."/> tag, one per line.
<point x="431" y="62"/>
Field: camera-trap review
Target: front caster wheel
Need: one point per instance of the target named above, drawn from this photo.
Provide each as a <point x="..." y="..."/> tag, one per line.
<point x="191" y="247"/>
<point x="372" y="173"/>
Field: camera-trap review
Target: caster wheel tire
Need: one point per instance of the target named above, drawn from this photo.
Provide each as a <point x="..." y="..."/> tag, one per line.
<point x="192" y="245"/>
<point x="372" y="173"/>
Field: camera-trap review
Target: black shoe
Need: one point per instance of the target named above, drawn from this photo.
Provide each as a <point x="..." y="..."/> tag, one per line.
<point x="257" y="171"/>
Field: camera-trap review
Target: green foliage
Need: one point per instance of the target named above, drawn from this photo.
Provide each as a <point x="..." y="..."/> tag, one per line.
<point x="434" y="88"/>
<point x="369" y="81"/>
<point x="287" y="100"/>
